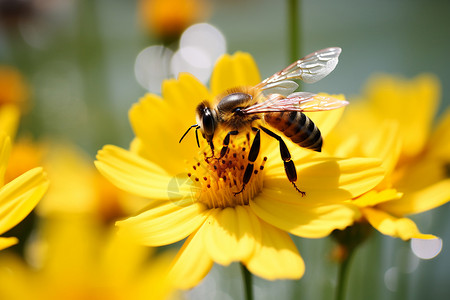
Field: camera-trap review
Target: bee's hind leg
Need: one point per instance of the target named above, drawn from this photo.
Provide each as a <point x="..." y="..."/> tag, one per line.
<point x="252" y="155"/>
<point x="289" y="166"/>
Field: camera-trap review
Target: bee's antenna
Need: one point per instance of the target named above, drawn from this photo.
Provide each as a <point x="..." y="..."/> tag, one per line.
<point x="196" y="133"/>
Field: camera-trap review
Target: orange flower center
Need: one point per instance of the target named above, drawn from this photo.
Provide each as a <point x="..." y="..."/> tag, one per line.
<point x="221" y="180"/>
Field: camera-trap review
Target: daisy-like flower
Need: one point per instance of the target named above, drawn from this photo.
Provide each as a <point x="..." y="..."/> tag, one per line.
<point x="398" y="114"/>
<point x="193" y="196"/>
<point x="19" y="196"/>
<point x="76" y="258"/>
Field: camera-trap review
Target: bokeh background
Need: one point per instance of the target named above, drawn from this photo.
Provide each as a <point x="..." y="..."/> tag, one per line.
<point x="79" y="59"/>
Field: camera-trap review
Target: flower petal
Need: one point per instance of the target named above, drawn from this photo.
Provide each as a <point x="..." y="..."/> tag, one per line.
<point x="384" y="144"/>
<point x="234" y="71"/>
<point x="419" y="201"/>
<point x="231" y="234"/>
<point x="160" y="123"/>
<point x="303" y="219"/>
<point x="164" y="222"/>
<point x="438" y="143"/>
<point x="398" y="99"/>
<point x="276" y="257"/>
<point x="6" y="242"/>
<point x="138" y="176"/>
<point x="373" y="197"/>
<point x="5" y="151"/>
<point x="191" y="264"/>
<point x="387" y="224"/>
<point x="328" y="179"/>
<point x="20" y="196"/>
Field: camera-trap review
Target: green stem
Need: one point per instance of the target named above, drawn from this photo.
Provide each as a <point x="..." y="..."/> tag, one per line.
<point x="294" y="32"/>
<point x="247" y="277"/>
<point x="343" y="275"/>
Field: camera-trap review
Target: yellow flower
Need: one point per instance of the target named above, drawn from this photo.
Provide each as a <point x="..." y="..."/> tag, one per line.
<point x="393" y="122"/>
<point x="19" y="196"/>
<point x="75" y="179"/>
<point x="76" y="258"/>
<point x="13" y="89"/>
<point x="9" y="119"/>
<point x="194" y="196"/>
<point x="160" y="17"/>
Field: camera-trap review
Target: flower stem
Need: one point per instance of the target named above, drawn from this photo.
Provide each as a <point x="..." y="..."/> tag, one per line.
<point x="343" y="275"/>
<point x="247" y="277"/>
<point x="294" y="32"/>
<point x="348" y="240"/>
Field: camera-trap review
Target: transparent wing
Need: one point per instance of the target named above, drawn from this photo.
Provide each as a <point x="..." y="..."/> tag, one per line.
<point x="310" y="68"/>
<point x="284" y="87"/>
<point x="301" y="101"/>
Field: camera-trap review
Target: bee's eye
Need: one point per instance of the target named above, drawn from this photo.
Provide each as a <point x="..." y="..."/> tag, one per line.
<point x="208" y="122"/>
<point x="238" y="111"/>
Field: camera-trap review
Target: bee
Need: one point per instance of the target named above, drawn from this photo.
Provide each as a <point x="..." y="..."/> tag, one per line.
<point x="274" y="102"/>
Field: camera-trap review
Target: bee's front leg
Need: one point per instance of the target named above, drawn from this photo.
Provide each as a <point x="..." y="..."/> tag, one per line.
<point x="226" y="142"/>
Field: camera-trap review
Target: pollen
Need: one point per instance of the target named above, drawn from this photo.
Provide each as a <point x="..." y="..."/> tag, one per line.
<point x="222" y="179"/>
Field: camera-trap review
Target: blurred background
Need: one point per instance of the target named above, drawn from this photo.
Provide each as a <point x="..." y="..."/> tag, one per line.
<point x="85" y="62"/>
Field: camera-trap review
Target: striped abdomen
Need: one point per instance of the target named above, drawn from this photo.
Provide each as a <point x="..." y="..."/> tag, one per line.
<point x="298" y="127"/>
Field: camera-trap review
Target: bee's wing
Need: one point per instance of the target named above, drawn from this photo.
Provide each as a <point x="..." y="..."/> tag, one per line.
<point x="310" y="69"/>
<point x="301" y="101"/>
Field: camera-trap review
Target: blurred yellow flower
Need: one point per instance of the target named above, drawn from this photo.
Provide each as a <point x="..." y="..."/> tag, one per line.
<point x="13" y="89"/>
<point x="393" y="121"/>
<point x="14" y="94"/>
<point x="194" y="197"/>
<point x="76" y="258"/>
<point x="9" y="119"/>
<point x="19" y="196"/>
<point x="78" y="188"/>
<point x="167" y="19"/>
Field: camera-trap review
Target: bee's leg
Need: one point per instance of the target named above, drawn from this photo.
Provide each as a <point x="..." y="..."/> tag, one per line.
<point x="226" y="142"/>
<point x="289" y="165"/>
<point x="211" y="145"/>
<point x="252" y="155"/>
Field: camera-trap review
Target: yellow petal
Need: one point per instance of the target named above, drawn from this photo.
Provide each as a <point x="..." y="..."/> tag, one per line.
<point x="138" y="176"/>
<point x="164" y="222"/>
<point x="192" y="262"/>
<point x="385" y="144"/>
<point x="231" y="234"/>
<point x="20" y="196"/>
<point x="438" y="145"/>
<point x="234" y="71"/>
<point x="406" y="100"/>
<point x="160" y="123"/>
<point x="6" y="242"/>
<point x="373" y="197"/>
<point x="420" y="201"/>
<point x="276" y="257"/>
<point x="328" y="179"/>
<point x="302" y="219"/>
<point x="387" y="224"/>
<point x="5" y="151"/>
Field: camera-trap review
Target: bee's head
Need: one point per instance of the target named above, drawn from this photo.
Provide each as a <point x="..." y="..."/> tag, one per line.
<point x="206" y="122"/>
<point x="206" y="119"/>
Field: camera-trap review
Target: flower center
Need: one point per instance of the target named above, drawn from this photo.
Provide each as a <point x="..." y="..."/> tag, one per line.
<point x="221" y="179"/>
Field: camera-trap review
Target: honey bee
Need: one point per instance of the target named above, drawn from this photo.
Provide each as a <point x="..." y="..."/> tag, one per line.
<point x="274" y="102"/>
